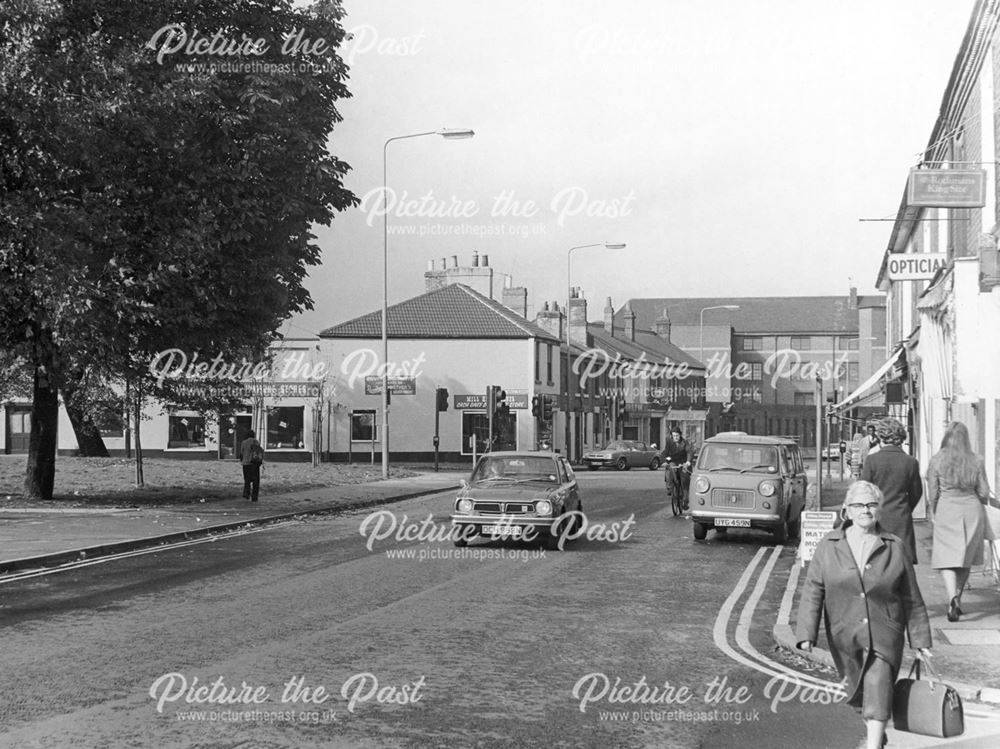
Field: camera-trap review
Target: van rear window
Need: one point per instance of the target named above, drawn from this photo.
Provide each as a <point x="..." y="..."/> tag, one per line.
<point x="719" y="457"/>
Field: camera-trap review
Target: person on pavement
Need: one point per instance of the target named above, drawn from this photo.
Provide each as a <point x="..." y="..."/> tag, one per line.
<point x="898" y="476"/>
<point x="869" y="445"/>
<point x="862" y="582"/>
<point x="252" y="457"/>
<point x="957" y="489"/>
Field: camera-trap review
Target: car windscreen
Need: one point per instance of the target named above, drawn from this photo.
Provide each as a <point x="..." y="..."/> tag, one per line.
<point x="499" y="468"/>
<point x="737" y="457"/>
<point x="616" y="446"/>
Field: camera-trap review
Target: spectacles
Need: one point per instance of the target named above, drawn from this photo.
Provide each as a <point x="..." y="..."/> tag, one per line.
<point x="862" y="506"/>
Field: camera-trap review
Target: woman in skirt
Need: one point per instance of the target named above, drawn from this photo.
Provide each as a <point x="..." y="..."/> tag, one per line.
<point x="957" y="489"/>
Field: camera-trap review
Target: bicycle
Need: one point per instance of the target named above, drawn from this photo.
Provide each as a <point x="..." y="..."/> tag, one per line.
<point x="675" y="488"/>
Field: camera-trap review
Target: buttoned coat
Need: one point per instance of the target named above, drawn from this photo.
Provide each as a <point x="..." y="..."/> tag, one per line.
<point x="898" y="476"/>
<point x="866" y="610"/>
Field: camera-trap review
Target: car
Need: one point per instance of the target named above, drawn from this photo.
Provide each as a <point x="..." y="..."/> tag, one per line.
<point x="748" y="481"/>
<point x="832" y="452"/>
<point x="624" y="454"/>
<point x="518" y="495"/>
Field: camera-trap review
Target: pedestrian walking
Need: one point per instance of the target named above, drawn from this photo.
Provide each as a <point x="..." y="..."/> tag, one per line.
<point x="957" y="489"/>
<point x="897" y="475"/>
<point x="860" y="438"/>
<point x="862" y="582"/>
<point x="869" y="445"/>
<point x="252" y="458"/>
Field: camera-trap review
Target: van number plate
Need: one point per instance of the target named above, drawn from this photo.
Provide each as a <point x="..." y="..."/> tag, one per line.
<point x="732" y="522"/>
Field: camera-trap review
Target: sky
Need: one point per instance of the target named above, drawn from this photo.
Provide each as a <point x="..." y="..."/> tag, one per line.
<point x="733" y="146"/>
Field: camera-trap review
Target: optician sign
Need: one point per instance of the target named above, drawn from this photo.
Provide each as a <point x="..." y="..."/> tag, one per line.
<point x="947" y="188"/>
<point x="915" y="267"/>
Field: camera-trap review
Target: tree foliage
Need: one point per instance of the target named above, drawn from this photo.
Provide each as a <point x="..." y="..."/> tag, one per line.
<point x="150" y="204"/>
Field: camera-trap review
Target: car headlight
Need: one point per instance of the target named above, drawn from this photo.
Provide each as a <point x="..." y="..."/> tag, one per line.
<point x="543" y="507"/>
<point x="767" y="489"/>
<point x="465" y="506"/>
<point x="701" y="485"/>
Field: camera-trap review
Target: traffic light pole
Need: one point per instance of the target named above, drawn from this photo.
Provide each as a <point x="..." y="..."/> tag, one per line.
<point x="437" y="433"/>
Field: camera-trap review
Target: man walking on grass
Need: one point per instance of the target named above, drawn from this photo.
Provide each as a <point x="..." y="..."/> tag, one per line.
<point x="252" y="457"/>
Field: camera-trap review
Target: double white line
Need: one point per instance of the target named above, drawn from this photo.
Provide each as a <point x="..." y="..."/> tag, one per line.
<point x="757" y="660"/>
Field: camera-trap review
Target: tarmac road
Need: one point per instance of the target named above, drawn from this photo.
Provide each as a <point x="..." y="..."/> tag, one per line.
<point x="413" y="643"/>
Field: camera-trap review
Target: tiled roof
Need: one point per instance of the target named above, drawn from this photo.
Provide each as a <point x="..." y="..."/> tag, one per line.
<point x="656" y="350"/>
<point x="454" y="311"/>
<point x="757" y="315"/>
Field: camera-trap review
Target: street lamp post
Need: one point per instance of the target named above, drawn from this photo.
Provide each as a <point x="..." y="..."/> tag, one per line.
<point x="569" y="355"/>
<point x="448" y="134"/>
<point x="701" y="333"/>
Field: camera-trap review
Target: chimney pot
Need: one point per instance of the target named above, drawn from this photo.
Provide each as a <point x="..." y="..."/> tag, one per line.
<point x="486" y="261"/>
<point x="454" y="261"/>
<point x="475" y="259"/>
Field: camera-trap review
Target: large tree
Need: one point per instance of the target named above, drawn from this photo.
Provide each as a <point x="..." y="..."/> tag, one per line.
<point x="153" y="200"/>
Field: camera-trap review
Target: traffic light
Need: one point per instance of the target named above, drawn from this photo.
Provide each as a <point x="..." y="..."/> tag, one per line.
<point x="546" y="408"/>
<point x="620" y="407"/>
<point x="536" y="406"/>
<point x="501" y="407"/>
<point x="442" y="399"/>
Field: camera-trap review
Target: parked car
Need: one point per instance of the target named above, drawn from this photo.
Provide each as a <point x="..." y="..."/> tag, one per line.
<point x="517" y="495"/>
<point x="624" y="454"/>
<point x="832" y="452"/>
<point x="745" y="481"/>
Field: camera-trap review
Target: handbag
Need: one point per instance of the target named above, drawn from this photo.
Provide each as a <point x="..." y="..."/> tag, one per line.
<point x="926" y="706"/>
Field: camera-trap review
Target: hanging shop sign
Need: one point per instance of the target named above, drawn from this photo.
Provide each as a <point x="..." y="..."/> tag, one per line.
<point x="915" y="266"/>
<point x="946" y="188"/>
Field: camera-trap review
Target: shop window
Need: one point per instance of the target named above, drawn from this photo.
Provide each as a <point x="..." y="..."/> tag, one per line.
<point x="363" y="426"/>
<point x="284" y="427"/>
<point x="478" y="425"/>
<point x="187" y="429"/>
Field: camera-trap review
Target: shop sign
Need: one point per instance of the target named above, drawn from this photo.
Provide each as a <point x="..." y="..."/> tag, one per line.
<point x="946" y="188"/>
<point x="477" y="401"/>
<point x="397" y="385"/>
<point x="915" y="266"/>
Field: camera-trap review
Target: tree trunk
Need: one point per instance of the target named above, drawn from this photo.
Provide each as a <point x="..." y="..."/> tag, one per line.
<point x="88" y="437"/>
<point x="40" y="478"/>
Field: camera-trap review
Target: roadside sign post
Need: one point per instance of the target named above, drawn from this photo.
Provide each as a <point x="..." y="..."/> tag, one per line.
<point x="814" y="525"/>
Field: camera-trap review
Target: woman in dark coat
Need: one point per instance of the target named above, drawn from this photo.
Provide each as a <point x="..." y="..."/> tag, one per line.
<point x="898" y="476"/>
<point x="862" y="582"/>
<point x="957" y="489"/>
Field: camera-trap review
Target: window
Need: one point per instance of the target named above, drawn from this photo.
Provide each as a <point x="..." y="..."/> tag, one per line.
<point x="756" y="371"/>
<point x="801" y="343"/>
<point x="284" y="427"/>
<point x="478" y="425"/>
<point x="548" y="365"/>
<point x="363" y="426"/>
<point x="849" y="344"/>
<point x="804" y="399"/>
<point x="852" y="372"/>
<point x="538" y="364"/>
<point x="753" y="344"/>
<point x="187" y="429"/>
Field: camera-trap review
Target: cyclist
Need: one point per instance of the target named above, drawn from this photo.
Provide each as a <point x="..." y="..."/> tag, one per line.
<point x="676" y="457"/>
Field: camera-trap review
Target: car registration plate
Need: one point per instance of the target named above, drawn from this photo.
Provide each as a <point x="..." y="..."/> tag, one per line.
<point x="513" y="531"/>
<point x="732" y="522"/>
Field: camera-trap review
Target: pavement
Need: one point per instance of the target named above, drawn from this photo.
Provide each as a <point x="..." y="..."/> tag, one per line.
<point x="965" y="654"/>
<point x="35" y="538"/>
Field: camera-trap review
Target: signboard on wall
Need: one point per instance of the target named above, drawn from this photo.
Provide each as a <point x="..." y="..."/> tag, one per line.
<point x="946" y="188"/>
<point x="477" y="401"/>
<point x="397" y="385"/>
<point x="814" y="526"/>
<point x="915" y="266"/>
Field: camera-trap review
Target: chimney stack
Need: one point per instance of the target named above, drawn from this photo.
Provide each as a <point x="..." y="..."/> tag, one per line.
<point x="662" y="326"/>
<point x="578" y="318"/>
<point x="629" y="322"/>
<point x="609" y="318"/>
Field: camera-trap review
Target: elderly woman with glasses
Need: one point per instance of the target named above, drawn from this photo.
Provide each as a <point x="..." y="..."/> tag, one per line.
<point x="862" y="582"/>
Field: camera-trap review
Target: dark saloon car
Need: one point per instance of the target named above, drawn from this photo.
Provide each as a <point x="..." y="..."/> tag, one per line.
<point x="624" y="454"/>
<point x="517" y="495"/>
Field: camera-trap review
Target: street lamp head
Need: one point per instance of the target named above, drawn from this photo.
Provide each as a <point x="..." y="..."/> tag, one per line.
<point x="614" y="245"/>
<point x="730" y="306"/>
<point x="455" y="133"/>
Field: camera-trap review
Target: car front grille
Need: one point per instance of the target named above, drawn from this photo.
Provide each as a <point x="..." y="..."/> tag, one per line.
<point x="733" y="498"/>
<point x="489" y="507"/>
<point x="519" y="508"/>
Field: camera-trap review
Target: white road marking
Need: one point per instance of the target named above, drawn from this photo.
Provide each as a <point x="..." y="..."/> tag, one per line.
<point x="721" y="642"/>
